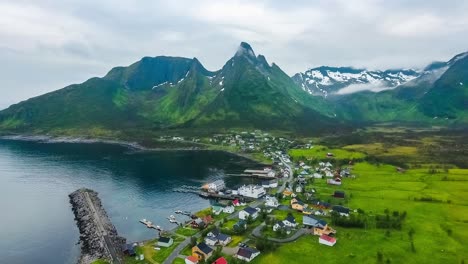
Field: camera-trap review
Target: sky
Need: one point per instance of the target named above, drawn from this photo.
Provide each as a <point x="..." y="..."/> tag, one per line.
<point x="48" y="44"/>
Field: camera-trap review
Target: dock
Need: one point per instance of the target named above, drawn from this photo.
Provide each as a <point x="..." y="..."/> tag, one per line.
<point x="149" y="224"/>
<point x="257" y="176"/>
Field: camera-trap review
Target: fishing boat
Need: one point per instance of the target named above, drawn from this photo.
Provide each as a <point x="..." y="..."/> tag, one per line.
<point x="147" y="223"/>
<point x="172" y="219"/>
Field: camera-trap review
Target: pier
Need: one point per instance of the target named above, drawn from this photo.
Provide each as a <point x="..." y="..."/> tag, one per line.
<point x="209" y="195"/>
<point x="98" y="236"/>
<point x="256" y="176"/>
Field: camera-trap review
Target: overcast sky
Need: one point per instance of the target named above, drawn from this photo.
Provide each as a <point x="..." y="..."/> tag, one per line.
<point x="47" y="44"/>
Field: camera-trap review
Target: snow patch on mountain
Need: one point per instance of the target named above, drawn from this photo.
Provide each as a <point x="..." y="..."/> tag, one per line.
<point x="341" y="80"/>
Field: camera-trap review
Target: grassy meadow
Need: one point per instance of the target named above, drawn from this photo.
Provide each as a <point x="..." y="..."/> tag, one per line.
<point x="437" y="212"/>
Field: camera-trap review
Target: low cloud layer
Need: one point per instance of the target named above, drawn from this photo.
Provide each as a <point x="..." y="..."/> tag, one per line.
<point x="48" y="44"/>
<point x="373" y="87"/>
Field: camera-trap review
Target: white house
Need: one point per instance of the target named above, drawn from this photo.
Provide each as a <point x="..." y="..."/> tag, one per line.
<point x="317" y="175"/>
<point x="329" y="174"/>
<point x="214" y="237"/>
<point x="252" y="191"/>
<point x="211" y="241"/>
<point x="343" y="211"/>
<point x="217" y="209"/>
<point x="299" y="188"/>
<point x="216" y="186"/>
<point x="247" y="253"/>
<point x="279" y="225"/>
<point x="334" y="181"/>
<point x="271" y="201"/>
<point x="229" y="209"/>
<point x="290" y="221"/>
<point x="165" y="242"/>
<point x="327" y="240"/>
<point x="270" y="184"/>
<point x="248" y="211"/>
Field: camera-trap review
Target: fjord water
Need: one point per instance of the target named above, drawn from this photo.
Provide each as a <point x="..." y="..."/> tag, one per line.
<point x="36" y="221"/>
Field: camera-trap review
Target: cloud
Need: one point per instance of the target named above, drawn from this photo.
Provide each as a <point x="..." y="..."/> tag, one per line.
<point x="372" y="87"/>
<point x="65" y="41"/>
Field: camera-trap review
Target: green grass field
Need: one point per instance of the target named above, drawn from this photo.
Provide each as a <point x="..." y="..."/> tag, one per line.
<point x="151" y="254"/>
<point x="319" y="152"/>
<point x="440" y="226"/>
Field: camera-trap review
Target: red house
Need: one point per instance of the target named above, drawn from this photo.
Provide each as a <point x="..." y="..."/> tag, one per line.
<point x="221" y="260"/>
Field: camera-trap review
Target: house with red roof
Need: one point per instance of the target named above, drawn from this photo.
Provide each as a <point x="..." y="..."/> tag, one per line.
<point x="221" y="260"/>
<point x="191" y="260"/>
<point x="327" y="240"/>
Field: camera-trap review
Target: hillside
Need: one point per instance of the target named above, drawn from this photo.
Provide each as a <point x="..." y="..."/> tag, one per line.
<point x="439" y="96"/>
<point x="176" y="93"/>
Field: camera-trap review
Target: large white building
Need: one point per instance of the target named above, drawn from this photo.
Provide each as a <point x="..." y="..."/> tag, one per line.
<point x="271" y="201"/>
<point x="252" y="191"/>
<point x="216" y="186"/>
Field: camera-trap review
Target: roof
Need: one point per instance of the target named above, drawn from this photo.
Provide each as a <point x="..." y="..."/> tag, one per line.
<point x="192" y="259"/>
<point x="222" y="237"/>
<point x="340" y="209"/>
<point x="164" y="239"/>
<point x="291" y="219"/>
<point x="246" y="252"/>
<point x="221" y="260"/>
<point x="215" y="231"/>
<point x="250" y="210"/>
<point x="211" y="238"/>
<point x="280" y="223"/>
<point x="204" y="248"/>
<point x="328" y="238"/>
<point x="312" y="221"/>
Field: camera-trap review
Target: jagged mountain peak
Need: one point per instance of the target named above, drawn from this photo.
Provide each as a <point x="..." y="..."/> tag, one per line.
<point x="245" y="49"/>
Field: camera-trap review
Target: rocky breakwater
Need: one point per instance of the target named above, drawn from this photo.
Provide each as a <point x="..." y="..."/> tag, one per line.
<point x="98" y="236"/>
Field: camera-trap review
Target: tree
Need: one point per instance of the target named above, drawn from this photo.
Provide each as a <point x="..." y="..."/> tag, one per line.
<point x="379" y="256"/>
<point x="193" y="241"/>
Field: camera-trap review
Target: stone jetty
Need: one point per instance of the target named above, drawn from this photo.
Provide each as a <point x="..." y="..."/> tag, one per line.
<point x="98" y="236"/>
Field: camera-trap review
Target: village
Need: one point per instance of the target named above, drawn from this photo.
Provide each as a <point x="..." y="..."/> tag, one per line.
<point x="284" y="205"/>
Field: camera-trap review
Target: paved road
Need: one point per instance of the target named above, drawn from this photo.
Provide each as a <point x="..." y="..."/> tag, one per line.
<point x="290" y="178"/>
<point x="175" y="253"/>
<point x="106" y="240"/>
<point x="257" y="232"/>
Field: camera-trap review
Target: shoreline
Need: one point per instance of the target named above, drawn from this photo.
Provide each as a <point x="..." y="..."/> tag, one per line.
<point x="127" y="144"/>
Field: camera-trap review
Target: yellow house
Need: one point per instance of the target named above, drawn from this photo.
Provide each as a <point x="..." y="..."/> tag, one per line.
<point x="298" y="205"/>
<point x="202" y="251"/>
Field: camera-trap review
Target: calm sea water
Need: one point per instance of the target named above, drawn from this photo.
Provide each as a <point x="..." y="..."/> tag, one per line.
<point x="36" y="221"/>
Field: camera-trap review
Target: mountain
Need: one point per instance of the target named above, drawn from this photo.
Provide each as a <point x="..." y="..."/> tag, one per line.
<point x="439" y="93"/>
<point x="326" y="80"/>
<point x="175" y="93"/>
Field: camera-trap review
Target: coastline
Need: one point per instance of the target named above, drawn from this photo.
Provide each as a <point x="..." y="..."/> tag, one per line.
<point x="133" y="145"/>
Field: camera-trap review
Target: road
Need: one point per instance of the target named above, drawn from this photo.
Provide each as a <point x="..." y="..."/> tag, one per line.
<point x="290" y="178"/>
<point x="175" y="253"/>
<point x="257" y="232"/>
<point x="106" y="240"/>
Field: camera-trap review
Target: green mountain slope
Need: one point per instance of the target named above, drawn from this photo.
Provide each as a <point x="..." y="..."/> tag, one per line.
<point x="440" y="93"/>
<point x="170" y="92"/>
